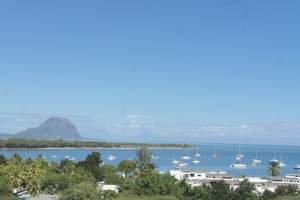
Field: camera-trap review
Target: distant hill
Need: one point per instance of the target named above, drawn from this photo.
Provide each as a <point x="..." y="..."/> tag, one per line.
<point x="53" y="128"/>
<point x="5" y="135"/>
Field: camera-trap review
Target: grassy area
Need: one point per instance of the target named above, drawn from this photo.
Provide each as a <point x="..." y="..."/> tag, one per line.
<point x="288" y="198"/>
<point x="134" y="197"/>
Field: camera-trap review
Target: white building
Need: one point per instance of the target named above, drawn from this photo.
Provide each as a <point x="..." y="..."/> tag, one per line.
<point x="107" y="187"/>
<point x="201" y="177"/>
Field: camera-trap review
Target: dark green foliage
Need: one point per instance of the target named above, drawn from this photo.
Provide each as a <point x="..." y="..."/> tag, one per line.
<point x="187" y="192"/>
<point x="152" y="183"/>
<point x="91" y="164"/>
<point x="127" y="167"/>
<point x="109" y="174"/>
<point x="5" y="188"/>
<point x="92" y="160"/>
<point x="220" y="190"/>
<point x="267" y="195"/>
<point x="56" y="183"/>
<point x="143" y="159"/>
<point x="82" y="191"/>
<point x="2" y="160"/>
<point x="290" y="190"/>
<point x="245" y="191"/>
<point x="274" y="168"/>
<point x="32" y="143"/>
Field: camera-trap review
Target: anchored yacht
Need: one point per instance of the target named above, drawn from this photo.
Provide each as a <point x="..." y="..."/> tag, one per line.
<point x="195" y="161"/>
<point x="238" y="165"/>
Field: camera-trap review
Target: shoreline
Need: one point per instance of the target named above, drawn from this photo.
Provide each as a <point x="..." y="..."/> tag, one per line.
<point x="121" y="148"/>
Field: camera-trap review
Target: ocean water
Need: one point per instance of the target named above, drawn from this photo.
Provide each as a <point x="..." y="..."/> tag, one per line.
<point x="226" y="153"/>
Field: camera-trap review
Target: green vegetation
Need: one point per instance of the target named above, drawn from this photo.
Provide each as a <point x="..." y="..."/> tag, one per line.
<point x="137" y="180"/>
<point x="274" y="168"/>
<point x="127" y="167"/>
<point x="31" y="143"/>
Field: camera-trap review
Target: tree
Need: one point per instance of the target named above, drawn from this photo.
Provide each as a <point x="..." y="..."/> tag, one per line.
<point x="67" y="166"/>
<point x="5" y="188"/>
<point x="91" y="164"/>
<point x="127" y="167"/>
<point x="152" y="183"/>
<point x="2" y="160"/>
<point x="55" y="183"/>
<point x="288" y="190"/>
<point x="220" y="190"/>
<point x="245" y="191"/>
<point x="268" y="195"/>
<point x="82" y="191"/>
<point x="143" y="159"/>
<point x="274" y="168"/>
<point x="109" y="174"/>
<point x="91" y="161"/>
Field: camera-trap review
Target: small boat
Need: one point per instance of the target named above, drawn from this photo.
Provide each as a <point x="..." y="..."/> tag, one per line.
<point x="195" y="161"/>
<point x="175" y="162"/>
<point x="297" y="167"/>
<point x="274" y="160"/>
<point x="197" y="155"/>
<point x="111" y="157"/>
<point x="54" y="156"/>
<point x="238" y="165"/>
<point x="239" y="156"/>
<point x="185" y="157"/>
<point x="182" y="165"/>
<point x="67" y="157"/>
<point x="256" y="161"/>
<point x="281" y="163"/>
<point x="154" y="157"/>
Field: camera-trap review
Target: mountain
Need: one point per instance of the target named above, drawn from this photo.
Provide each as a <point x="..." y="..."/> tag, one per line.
<point x="53" y="128"/>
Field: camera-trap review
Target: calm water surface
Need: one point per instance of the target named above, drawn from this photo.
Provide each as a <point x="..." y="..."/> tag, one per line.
<point x="226" y="156"/>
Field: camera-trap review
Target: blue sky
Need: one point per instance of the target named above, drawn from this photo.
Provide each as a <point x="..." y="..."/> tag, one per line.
<point x="163" y="62"/>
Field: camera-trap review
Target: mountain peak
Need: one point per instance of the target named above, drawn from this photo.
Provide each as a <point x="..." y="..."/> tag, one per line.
<point x="52" y="128"/>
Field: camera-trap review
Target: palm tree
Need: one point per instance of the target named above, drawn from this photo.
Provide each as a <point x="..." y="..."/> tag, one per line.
<point x="274" y="168"/>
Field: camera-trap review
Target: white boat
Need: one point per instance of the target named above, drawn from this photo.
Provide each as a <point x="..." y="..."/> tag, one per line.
<point x="197" y="155"/>
<point x="175" y="162"/>
<point x="182" y="165"/>
<point x="154" y="157"/>
<point x="239" y="156"/>
<point x="111" y="157"/>
<point x="185" y="157"/>
<point x="297" y="166"/>
<point x="281" y="163"/>
<point x="54" y="156"/>
<point x="67" y="157"/>
<point x="195" y="161"/>
<point x="256" y="161"/>
<point x="238" y="165"/>
<point x="274" y="160"/>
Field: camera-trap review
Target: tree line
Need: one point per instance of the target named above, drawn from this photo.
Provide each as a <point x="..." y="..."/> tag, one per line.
<point x="32" y="143"/>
